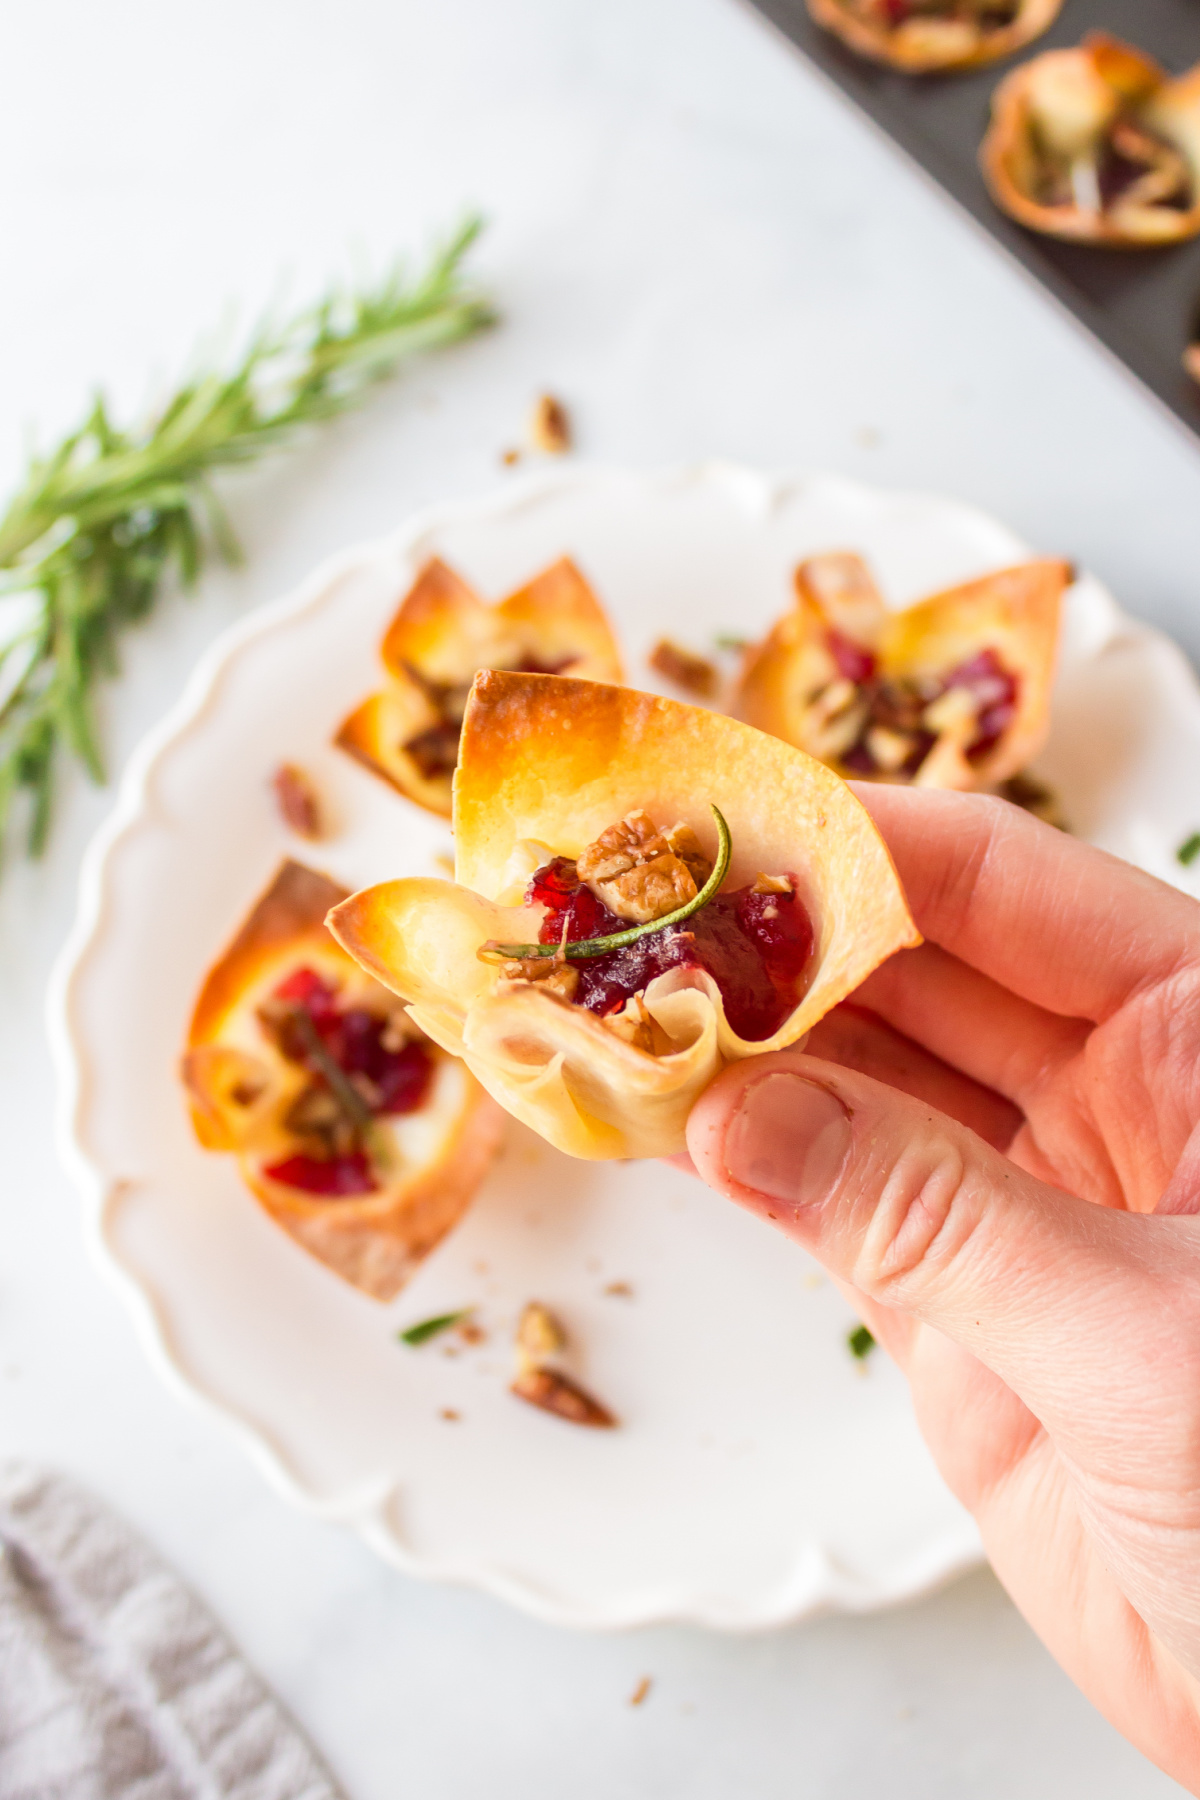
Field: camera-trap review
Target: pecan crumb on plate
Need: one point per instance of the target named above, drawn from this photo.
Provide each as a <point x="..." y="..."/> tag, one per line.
<point x="539" y="1337"/>
<point x="694" y="674"/>
<point x="640" y="1691"/>
<point x="297" y="800"/>
<point x="550" y="426"/>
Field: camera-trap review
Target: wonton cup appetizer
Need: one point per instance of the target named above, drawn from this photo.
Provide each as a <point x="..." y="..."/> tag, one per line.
<point x="921" y="36"/>
<point x="954" y="692"/>
<point x="1096" y="144"/>
<point x="587" y="813"/>
<point x="360" y="1137"/>
<point x="440" y="638"/>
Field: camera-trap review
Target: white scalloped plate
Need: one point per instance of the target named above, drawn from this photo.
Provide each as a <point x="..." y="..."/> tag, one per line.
<point x="759" y="1474"/>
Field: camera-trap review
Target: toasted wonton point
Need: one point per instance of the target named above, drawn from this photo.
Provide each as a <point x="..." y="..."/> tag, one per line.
<point x="554" y="762"/>
<point x="441" y="635"/>
<point x="248" y="1098"/>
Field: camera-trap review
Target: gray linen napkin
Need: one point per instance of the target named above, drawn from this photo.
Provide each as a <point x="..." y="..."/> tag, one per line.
<point x="114" y="1679"/>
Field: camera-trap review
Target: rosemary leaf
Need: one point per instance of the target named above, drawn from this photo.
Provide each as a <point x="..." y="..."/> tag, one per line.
<point x="104" y="519"/>
<point x="425" y="1329"/>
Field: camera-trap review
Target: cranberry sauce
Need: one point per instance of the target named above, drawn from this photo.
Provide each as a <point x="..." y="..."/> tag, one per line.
<point x="899" y="704"/>
<point x="854" y="661"/>
<point x="755" y="946"/>
<point x="389" y="1081"/>
<point x="330" y="1177"/>
<point x="994" y="690"/>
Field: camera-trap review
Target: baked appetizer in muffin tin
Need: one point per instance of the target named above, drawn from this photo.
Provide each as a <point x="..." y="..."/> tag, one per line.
<point x="363" y="1139"/>
<point x="440" y="638"/>
<point x="1096" y="144"/>
<point x="953" y="692"/>
<point x="645" y="892"/>
<point x="923" y="36"/>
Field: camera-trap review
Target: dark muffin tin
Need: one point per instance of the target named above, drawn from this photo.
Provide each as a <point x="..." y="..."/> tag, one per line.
<point x="1144" y="304"/>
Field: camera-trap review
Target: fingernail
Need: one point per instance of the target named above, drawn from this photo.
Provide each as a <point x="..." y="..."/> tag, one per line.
<point x="788" y="1139"/>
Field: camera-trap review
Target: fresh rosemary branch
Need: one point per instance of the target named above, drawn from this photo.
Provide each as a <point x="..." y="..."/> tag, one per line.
<point x="492" y="951"/>
<point x="103" y="521"/>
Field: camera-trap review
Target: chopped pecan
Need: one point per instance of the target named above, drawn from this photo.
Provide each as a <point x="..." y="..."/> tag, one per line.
<point x="547" y="974"/>
<point x="641" y="873"/>
<point x="297" y="800"/>
<point x="772" y="884"/>
<point x="695" y="674"/>
<point x="435" y="751"/>
<point x="556" y="1393"/>
<point x="539" y="1335"/>
<point x="620" y="847"/>
<point x="549" y="426"/>
<point x="889" y="749"/>
<point x="649" y="890"/>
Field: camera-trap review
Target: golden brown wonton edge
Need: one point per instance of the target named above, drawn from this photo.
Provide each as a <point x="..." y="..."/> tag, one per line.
<point x="443" y="624"/>
<point x="373" y="1241"/>
<point x="557" y="761"/>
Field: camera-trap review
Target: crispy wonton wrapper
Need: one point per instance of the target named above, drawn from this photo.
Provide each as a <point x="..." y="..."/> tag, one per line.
<point x="1014" y="612"/>
<point x="925" y="42"/>
<point x="547" y="765"/>
<point x="442" y="635"/>
<point x="240" y="1088"/>
<point x="1059" y="109"/>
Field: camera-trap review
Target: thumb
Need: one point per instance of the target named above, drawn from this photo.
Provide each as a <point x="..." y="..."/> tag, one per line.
<point x="921" y="1215"/>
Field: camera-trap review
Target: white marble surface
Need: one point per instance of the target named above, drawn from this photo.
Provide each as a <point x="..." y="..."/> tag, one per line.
<point x="706" y="252"/>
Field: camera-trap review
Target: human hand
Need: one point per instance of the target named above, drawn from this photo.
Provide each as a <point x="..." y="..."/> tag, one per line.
<point x="996" y="1149"/>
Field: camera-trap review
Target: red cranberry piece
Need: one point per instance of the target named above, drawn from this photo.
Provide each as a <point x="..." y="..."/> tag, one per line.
<point x="304" y="987"/>
<point x="782" y="930"/>
<point x="335" y="1179"/>
<point x="854" y="661"/>
<point x="995" y="691"/>
<point x="404" y="1079"/>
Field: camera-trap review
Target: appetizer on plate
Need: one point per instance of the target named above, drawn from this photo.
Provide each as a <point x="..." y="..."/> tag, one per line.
<point x="646" y="892"/>
<point x="440" y="638"/>
<point x="360" y="1137"/>
<point x="922" y="36"/>
<point x="953" y="692"/>
<point x="1098" y="145"/>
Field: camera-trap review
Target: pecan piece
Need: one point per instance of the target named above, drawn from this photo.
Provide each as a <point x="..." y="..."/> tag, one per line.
<point x="694" y="674"/>
<point x="548" y="975"/>
<point x="539" y="1336"/>
<point x="550" y="426"/>
<point x="556" y="1393"/>
<point x="639" y="872"/>
<point x="297" y="800"/>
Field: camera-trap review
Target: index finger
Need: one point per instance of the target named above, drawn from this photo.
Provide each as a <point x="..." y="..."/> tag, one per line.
<point x="1065" y="925"/>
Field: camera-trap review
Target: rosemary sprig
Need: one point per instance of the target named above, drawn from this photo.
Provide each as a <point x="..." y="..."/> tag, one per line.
<point x="424" y="1329"/>
<point x="103" y="520"/>
<point x="616" y="940"/>
<point x="357" y="1113"/>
